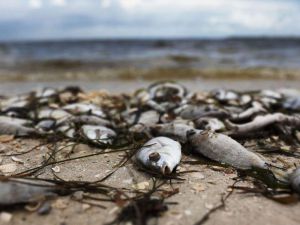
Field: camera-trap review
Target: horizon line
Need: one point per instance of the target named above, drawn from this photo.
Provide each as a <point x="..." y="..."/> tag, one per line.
<point x="74" y="39"/>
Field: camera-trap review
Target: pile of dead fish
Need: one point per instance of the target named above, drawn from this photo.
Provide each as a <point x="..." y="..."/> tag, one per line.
<point x="212" y="124"/>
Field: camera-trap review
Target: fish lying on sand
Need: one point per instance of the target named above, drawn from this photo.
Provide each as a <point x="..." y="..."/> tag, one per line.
<point x="161" y="154"/>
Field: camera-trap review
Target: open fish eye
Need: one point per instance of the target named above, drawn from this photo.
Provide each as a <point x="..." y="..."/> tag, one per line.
<point x="154" y="156"/>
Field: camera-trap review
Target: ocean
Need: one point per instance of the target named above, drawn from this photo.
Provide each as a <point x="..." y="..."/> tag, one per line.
<point x="71" y="56"/>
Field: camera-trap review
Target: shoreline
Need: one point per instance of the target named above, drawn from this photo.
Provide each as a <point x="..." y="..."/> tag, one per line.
<point x="121" y="86"/>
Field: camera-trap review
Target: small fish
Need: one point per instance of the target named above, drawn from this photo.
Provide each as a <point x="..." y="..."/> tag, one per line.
<point x="178" y="131"/>
<point x="46" y="125"/>
<point x="144" y="121"/>
<point x="225" y="95"/>
<point x="256" y="109"/>
<point x="18" y="191"/>
<point x="90" y="120"/>
<point x="16" y="129"/>
<point x="223" y="149"/>
<point x="15" y="120"/>
<point x="294" y="179"/>
<point x="56" y="114"/>
<point x="161" y="154"/>
<point x="67" y="130"/>
<point x="162" y="91"/>
<point x="209" y="123"/>
<point x="98" y="134"/>
<point x="84" y="108"/>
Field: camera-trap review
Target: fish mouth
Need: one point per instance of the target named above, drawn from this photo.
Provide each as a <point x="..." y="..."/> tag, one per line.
<point x="165" y="170"/>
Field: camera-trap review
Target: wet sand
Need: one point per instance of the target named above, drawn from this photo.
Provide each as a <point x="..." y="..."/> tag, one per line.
<point x="121" y="86"/>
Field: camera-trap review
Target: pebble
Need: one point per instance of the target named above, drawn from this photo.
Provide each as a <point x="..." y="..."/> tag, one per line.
<point x="5" y="217"/>
<point x="141" y="185"/>
<point x="85" y="206"/>
<point x="56" y="169"/>
<point x="208" y="206"/>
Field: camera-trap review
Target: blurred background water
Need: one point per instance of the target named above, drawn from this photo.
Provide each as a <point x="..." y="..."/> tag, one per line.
<point x="203" y="53"/>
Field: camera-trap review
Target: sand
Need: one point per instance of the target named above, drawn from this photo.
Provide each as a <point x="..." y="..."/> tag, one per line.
<point x="197" y="194"/>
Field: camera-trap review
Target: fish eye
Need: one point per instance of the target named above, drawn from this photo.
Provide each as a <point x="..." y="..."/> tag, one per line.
<point x="154" y="156"/>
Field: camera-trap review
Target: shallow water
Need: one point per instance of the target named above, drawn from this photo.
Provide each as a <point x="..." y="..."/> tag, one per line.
<point x="199" y="53"/>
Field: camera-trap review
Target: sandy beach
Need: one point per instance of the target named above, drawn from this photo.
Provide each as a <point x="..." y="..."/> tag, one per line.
<point x="199" y="192"/>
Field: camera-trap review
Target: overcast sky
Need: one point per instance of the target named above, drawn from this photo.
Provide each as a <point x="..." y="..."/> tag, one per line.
<point x="61" y="19"/>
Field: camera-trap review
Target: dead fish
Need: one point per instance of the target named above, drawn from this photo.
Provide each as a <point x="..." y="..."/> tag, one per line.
<point x="163" y="91"/>
<point x="193" y="112"/>
<point x="209" y="123"/>
<point x="223" y="149"/>
<point x="161" y="154"/>
<point x="84" y="108"/>
<point x="294" y="179"/>
<point x="98" y="134"/>
<point x="16" y="129"/>
<point x="256" y="109"/>
<point x="178" y="131"/>
<point x="67" y="130"/>
<point x="260" y="122"/>
<point x="144" y="120"/>
<point x="15" y="120"/>
<point x="89" y="120"/>
<point x="48" y="113"/>
<point x="18" y="191"/>
<point x="225" y="95"/>
<point x="46" y="125"/>
<point x="14" y="103"/>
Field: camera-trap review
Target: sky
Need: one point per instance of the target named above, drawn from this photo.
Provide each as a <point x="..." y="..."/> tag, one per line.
<point x="85" y="19"/>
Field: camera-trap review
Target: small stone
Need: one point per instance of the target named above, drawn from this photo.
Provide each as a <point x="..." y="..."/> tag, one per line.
<point x="5" y="217"/>
<point x="187" y="212"/>
<point x="97" y="175"/>
<point x="15" y="159"/>
<point x="85" y="206"/>
<point x="208" y="206"/>
<point x="141" y="185"/>
<point x="8" y="168"/>
<point x="56" y="169"/>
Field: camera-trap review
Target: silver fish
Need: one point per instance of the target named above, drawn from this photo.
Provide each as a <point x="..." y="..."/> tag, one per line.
<point x="223" y="149"/>
<point x="98" y="134"/>
<point x="67" y="131"/>
<point x="177" y="131"/>
<point x="84" y="108"/>
<point x="48" y="113"/>
<point x="16" y="129"/>
<point x="90" y="120"/>
<point x="15" y="120"/>
<point x="161" y="154"/>
<point x="17" y="191"/>
<point x="209" y="123"/>
<point x="294" y="179"/>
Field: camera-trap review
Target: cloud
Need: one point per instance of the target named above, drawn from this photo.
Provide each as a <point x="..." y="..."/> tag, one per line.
<point x="39" y="19"/>
<point x="35" y="4"/>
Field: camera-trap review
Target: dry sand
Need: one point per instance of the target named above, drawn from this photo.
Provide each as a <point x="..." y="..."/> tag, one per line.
<point x="197" y="194"/>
